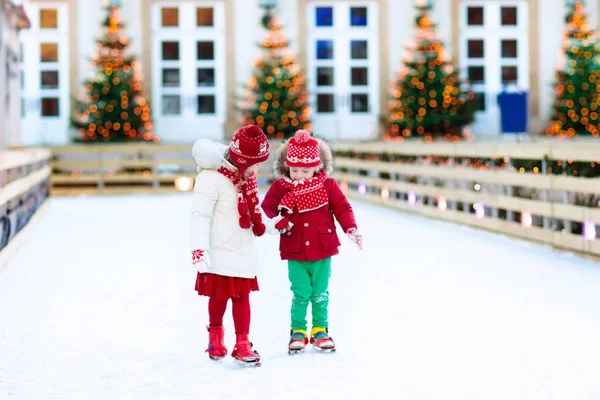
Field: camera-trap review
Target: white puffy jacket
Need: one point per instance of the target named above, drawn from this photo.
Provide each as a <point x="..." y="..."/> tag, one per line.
<point x="215" y="219"/>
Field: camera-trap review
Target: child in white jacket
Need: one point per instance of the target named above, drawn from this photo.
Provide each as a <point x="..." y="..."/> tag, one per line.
<point x="226" y="217"/>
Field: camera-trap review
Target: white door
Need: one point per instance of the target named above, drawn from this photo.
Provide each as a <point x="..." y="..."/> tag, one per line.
<point x="45" y="80"/>
<point x="188" y="70"/>
<point x="494" y="49"/>
<point x="343" y="62"/>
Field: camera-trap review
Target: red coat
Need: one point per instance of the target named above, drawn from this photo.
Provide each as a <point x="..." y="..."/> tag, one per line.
<point x="313" y="236"/>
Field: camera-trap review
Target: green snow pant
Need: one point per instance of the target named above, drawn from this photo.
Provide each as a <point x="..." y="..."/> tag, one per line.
<point x="310" y="283"/>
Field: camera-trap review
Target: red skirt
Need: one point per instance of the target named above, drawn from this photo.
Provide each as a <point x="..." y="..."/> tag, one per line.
<point x="224" y="287"/>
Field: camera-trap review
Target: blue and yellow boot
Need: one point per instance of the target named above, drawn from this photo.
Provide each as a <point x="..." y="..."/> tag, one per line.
<point x="298" y="341"/>
<point x="319" y="337"/>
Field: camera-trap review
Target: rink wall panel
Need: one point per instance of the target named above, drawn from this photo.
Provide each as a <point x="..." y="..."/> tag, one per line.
<point x="24" y="188"/>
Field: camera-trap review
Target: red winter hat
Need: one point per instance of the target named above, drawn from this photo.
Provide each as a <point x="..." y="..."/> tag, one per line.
<point x="303" y="151"/>
<point x="249" y="146"/>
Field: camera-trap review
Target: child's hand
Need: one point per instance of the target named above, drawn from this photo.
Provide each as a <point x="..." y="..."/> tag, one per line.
<point x="355" y="237"/>
<point x="283" y="225"/>
<point x="201" y="260"/>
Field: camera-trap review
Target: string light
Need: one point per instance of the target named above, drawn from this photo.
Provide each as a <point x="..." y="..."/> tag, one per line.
<point x="442" y="205"/>
<point x="362" y="189"/>
<point x="385" y="193"/>
<point x="526" y="219"/>
<point x="184" y="184"/>
<point x="344" y="186"/>
<point x="479" y="210"/>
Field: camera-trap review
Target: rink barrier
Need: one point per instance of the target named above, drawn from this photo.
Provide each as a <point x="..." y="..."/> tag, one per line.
<point x="441" y="191"/>
<point x="131" y="168"/>
<point x="24" y="188"/>
<point x="484" y="197"/>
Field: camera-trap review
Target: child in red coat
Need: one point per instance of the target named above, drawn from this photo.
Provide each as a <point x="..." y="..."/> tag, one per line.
<point x="304" y="201"/>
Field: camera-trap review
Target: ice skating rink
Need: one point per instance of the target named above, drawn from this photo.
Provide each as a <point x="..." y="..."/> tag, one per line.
<point x="99" y="304"/>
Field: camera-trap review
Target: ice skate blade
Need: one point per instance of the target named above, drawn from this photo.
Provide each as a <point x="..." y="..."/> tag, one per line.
<point x="214" y="358"/>
<point x="324" y="350"/>
<point x="293" y="352"/>
<point x="248" y="364"/>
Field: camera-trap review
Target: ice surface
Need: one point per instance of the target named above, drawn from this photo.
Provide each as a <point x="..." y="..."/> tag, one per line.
<point x="99" y="304"/>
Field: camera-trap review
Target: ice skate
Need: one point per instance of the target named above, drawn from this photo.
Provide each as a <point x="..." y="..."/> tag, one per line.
<point x="244" y="353"/>
<point x="298" y="341"/>
<point x="320" y="339"/>
<point x="216" y="348"/>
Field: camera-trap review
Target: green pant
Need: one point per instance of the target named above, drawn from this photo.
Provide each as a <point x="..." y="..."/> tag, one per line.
<point x="310" y="283"/>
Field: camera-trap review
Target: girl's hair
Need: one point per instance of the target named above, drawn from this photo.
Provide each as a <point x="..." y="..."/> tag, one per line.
<point x="227" y="157"/>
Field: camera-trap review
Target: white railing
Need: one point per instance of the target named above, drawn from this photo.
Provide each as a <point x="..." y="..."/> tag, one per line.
<point x="477" y="184"/>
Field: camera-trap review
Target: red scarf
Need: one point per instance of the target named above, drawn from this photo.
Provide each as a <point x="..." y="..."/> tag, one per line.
<point x="304" y="195"/>
<point x="247" y="200"/>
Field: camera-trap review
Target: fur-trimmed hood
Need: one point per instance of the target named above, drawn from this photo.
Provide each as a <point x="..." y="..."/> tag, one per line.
<point x="282" y="170"/>
<point x="208" y="154"/>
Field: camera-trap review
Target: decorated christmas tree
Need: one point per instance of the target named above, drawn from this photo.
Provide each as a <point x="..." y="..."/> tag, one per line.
<point x="426" y="97"/>
<point x="575" y="110"/>
<point x="114" y="106"/>
<point x="276" y="98"/>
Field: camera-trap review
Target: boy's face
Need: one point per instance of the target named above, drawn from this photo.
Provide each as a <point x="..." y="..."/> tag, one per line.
<point x="302" y="173"/>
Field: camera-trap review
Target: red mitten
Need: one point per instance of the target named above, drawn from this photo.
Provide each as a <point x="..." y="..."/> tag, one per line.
<point x="283" y="225"/>
<point x="355" y="237"/>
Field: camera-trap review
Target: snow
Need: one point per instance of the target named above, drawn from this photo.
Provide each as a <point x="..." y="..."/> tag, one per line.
<point x="99" y="304"/>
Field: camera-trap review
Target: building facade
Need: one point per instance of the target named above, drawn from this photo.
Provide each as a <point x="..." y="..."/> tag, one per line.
<point x="12" y="20"/>
<point x="197" y="55"/>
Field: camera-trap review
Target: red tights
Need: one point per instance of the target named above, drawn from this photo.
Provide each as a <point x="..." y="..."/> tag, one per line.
<point x="240" y="311"/>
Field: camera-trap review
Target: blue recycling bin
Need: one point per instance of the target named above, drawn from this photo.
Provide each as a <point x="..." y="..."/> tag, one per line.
<point x="513" y="111"/>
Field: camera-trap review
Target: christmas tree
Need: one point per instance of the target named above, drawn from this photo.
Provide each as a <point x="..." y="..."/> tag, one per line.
<point x="114" y="107"/>
<point x="575" y="110"/>
<point x="426" y="98"/>
<point x="276" y="98"/>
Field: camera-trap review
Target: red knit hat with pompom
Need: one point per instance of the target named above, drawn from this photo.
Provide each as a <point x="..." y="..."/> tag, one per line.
<point x="249" y="146"/>
<point x="303" y="151"/>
